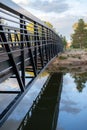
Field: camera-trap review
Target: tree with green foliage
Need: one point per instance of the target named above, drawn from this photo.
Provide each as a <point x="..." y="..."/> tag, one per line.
<point x="79" y="37"/>
<point x="64" y="41"/>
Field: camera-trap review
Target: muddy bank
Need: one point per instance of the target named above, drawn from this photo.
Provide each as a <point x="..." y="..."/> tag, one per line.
<point x="69" y="61"/>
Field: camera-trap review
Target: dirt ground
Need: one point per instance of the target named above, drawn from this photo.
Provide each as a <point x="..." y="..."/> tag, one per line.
<point x="71" y="60"/>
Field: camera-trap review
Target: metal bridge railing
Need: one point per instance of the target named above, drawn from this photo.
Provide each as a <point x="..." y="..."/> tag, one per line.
<point x="26" y="43"/>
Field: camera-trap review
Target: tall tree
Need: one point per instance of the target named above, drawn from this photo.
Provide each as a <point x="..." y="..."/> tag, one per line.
<point x="79" y="37"/>
<point x="64" y="41"/>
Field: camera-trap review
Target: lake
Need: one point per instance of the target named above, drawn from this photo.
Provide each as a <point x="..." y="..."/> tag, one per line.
<point x="61" y="105"/>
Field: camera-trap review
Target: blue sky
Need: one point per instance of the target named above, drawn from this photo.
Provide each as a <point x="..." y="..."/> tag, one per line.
<point x="62" y="14"/>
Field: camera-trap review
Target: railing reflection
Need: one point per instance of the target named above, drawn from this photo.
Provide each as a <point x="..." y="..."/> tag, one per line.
<point x="43" y="114"/>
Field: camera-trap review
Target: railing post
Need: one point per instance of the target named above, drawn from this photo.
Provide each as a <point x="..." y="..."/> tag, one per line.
<point x="39" y="47"/>
<point x="35" y="44"/>
<point x="22" y="22"/>
<point x="31" y="55"/>
<point x="48" y="43"/>
<point x="44" y="42"/>
<point x="51" y="44"/>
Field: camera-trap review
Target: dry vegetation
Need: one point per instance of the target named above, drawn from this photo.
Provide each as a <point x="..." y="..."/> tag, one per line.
<point x="74" y="61"/>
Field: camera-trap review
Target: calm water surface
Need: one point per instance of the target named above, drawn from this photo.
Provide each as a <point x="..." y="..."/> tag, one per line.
<point x="73" y="103"/>
<point x="72" y="106"/>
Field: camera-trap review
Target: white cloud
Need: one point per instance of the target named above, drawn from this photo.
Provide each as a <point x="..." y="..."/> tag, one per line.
<point x="45" y="5"/>
<point x="22" y="2"/>
<point x="77" y="8"/>
<point x="62" y="14"/>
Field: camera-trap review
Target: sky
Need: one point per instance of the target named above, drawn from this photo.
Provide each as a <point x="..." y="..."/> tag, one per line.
<point x="62" y="14"/>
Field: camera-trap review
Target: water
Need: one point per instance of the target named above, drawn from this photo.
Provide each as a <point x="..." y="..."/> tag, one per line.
<point x="43" y="115"/>
<point x="16" y="117"/>
<point x="73" y="104"/>
<point x="69" y="107"/>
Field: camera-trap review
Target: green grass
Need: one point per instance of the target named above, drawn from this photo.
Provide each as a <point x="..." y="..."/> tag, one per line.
<point x="63" y="57"/>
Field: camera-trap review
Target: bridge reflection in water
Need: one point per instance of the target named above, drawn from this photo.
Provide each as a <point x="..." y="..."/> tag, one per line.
<point x="43" y="114"/>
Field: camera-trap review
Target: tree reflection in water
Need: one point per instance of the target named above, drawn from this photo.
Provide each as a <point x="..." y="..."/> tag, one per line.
<point x="80" y="80"/>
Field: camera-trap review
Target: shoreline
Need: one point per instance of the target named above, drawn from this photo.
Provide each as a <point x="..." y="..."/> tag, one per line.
<point x="69" y="61"/>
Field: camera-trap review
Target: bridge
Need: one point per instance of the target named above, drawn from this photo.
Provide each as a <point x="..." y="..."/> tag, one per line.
<point x="26" y="43"/>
